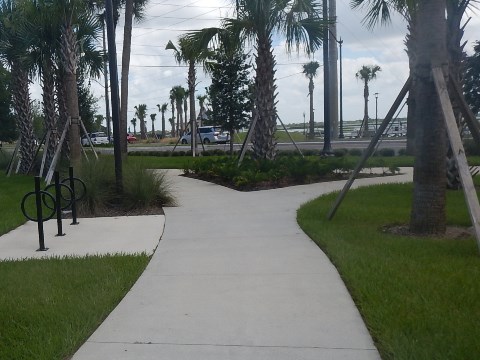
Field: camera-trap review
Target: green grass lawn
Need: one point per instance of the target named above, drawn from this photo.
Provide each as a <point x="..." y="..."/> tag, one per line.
<point x="48" y="308"/>
<point x="418" y="296"/>
<point x="12" y="190"/>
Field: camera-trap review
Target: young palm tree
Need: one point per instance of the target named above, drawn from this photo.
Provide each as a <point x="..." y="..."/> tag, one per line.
<point x="162" y="108"/>
<point x="201" y="102"/>
<point x="172" y="105"/>
<point x="367" y="73"/>
<point x="178" y="95"/>
<point x="134" y="123"/>
<point x="310" y="71"/>
<point x="141" y="113"/>
<point x="152" y="117"/>
<point x="259" y="21"/>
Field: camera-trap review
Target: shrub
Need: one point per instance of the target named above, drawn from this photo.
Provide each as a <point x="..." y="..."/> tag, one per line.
<point x="471" y="148"/>
<point x="4" y="159"/>
<point x="143" y="188"/>
<point x="99" y="180"/>
<point x="355" y="152"/>
<point x="386" y="152"/>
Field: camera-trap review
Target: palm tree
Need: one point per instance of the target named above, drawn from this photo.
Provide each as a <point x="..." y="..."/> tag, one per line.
<point x="258" y="21"/>
<point x="367" y="73"/>
<point x="133" y="8"/>
<point x="141" y="113"/>
<point x="172" y="119"/>
<point x="13" y="47"/>
<point x="134" y="123"/>
<point x="162" y="108"/>
<point x="185" y="109"/>
<point x="201" y="102"/>
<point x="310" y="71"/>
<point x="178" y="96"/>
<point x="152" y="117"/>
<point x="190" y="52"/>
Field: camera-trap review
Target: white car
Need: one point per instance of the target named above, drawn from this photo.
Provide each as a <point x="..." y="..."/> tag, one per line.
<point x="96" y="138"/>
<point x="208" y="134"/>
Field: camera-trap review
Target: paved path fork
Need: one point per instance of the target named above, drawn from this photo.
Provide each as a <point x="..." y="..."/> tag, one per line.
<point x="234" y="277"/>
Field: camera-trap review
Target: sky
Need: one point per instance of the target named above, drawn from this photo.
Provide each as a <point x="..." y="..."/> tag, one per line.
<point x="154" y="71"/>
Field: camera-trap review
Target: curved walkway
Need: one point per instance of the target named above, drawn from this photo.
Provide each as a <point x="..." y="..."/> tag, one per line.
<point x="234" y="277"/>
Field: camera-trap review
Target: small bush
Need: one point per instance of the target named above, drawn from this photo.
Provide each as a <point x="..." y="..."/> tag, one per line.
<point x="355" y="152"/>
<point x="4" y="159"/>
<point x="386" y="152"/>
<point x="471" y="148"/>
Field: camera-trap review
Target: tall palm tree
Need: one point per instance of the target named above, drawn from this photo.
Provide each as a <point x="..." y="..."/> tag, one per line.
<point x="310" y="71"/>
<point x="133" y="8"/>
<point x="162" y="108"/>
<point x="172" y="105"/>
<point x="201" y="102"/>
<point x="300" y="23"/>
<point x="367" y="73"/>
<point x="134" y="123"/>
<point x="141" y="113"/>
<point x="190" y="52"/>
<point x="152" y="117"/>
<point x="13" y="47"/>
<point x="178" y="96"/>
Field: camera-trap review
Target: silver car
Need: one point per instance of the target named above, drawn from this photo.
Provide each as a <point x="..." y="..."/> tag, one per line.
<point x="208" y="134"/>
<point x="96" y="138"/>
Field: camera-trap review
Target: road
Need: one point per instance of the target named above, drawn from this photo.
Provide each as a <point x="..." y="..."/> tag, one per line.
<point x="395" y="144"/>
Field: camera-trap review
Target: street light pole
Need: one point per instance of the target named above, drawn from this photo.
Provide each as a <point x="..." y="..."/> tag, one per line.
<point x="376" y="111"/>
<point x="327" y="147"/>
<point x="341" y="135"/>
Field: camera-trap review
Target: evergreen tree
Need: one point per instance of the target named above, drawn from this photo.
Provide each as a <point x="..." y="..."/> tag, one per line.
<point x="231" y="105"/>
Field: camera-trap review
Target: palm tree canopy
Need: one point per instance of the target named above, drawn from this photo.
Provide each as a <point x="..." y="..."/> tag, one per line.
<point x="141" y="111"/>
<point x="368" y="72"/>
<point x="153" y="116"/>
<point x="310" y="69"/>
<point x="299" y="21"/>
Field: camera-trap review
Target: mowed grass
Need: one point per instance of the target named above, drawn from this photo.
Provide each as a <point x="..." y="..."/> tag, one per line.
<point x="12" y="190"/>
<point x="418" y="296"/>
<point x="48" y="308"/>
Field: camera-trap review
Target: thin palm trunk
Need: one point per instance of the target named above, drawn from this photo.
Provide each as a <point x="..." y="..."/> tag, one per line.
<point x="365" y="107"/>
<point x="263" y="138"/>
<point x="428" y="208"/>
<point x="163" y="124"/>
<point x="48" y="95"/>
<point x="172" y="103"/>
<point x="191" y="94"/>
<point x="311" y="123"/>
<point x="127" y="48"/>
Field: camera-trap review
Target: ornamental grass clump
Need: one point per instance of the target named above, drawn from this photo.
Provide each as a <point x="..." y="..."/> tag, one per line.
<point x="144" y="188"/>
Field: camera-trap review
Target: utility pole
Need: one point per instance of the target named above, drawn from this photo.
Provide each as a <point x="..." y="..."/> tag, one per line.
<point x="333" y="74"/>
<point x="327" y="147"/>
<point x="376" y="111"/>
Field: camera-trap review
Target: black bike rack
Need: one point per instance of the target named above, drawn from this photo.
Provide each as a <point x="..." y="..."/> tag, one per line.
<point x="39" y="219"/>
<point x="45" y="198"/>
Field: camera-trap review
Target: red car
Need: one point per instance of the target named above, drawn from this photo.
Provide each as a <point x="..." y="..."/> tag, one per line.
<point x="131" y="138"/>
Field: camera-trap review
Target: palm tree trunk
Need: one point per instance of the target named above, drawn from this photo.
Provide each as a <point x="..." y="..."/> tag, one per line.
<point x="163" y="124"/>
<point x="143" y="134"/>
<point x="23" y="110"/>
<point x="48" y="95"/>
<point x="127" y="48"/>
<point x="264" y="135"/>
<point x="365" y="108"/>
<point x="311" y="133"/>
<point x="69" y="43"/>
<point x="428" y="208"/>
<point x="172" y="103"/>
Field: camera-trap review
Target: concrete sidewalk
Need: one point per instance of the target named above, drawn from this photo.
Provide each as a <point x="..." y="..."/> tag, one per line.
<point x="234" y="277"/>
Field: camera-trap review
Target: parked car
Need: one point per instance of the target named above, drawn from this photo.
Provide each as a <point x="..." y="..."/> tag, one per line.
<point x="208" y="134"/>
<point x="131" y="138"/>
<point x="96" y="138"/>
